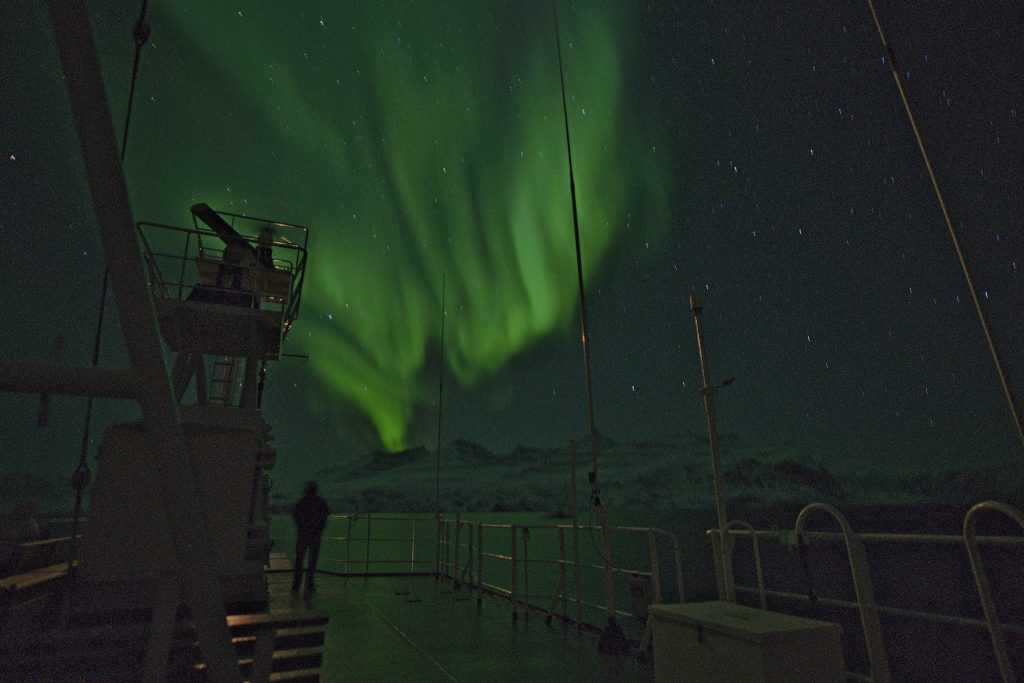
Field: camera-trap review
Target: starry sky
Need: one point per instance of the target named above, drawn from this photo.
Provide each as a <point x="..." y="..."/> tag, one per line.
<point x="755" y="155"/>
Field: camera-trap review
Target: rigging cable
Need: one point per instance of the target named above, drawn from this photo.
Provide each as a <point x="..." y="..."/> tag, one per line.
<point x="983" y="318"/>
<point x="82" y="475"/>
<point x="140" y="32"/>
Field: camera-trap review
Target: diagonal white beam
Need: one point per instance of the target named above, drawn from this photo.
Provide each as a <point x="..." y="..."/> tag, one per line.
<point x="194" y="558"/>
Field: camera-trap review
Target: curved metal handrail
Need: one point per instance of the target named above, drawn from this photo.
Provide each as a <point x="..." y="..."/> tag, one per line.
<point x="995" y="629"/>
<point x="727" y="550"/>
<point x="877" y="656"/>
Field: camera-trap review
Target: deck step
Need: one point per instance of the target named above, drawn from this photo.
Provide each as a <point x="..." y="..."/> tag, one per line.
<point x="296" y="676"/>
<point x="299" y="637"/>
<point x="288" y="660"/>
<point x="284" y="641"/>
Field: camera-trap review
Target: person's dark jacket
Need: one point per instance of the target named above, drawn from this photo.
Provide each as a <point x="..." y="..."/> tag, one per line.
<point x="310" y="515"/>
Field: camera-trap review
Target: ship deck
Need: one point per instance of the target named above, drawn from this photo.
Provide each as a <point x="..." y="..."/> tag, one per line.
<point x="416" y="628"/>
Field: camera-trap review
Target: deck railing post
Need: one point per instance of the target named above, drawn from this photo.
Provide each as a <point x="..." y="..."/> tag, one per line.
<point x="368" y="517"/>
<point x="480" y="564"/>
<point x="512" y="582"/>
<point x="577" y="571"/>
<point x="348" y="542"/>
<point x="561" y="572"/>
<point x="184" y="260"/>
<point x="456" y="553"/>
<point x="575" y="531"/>
<point x="412" y="550"/>
<point x="721" y="584"/>
<point x="447" y="548"/>
<point x="677" y="555"/>
<point x="471" y="557"/>
<point x="437" y="546"/>
<point x="737" y="523"/>
<point x="652" y="549"/>
<point x="526" y="571"/>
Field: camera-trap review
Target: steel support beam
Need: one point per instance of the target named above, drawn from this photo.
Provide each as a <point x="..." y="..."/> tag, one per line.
<point x="53" y="378"/>
<point x="193" y="551"/>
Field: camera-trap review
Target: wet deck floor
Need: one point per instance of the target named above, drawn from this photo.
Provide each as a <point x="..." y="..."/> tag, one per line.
<point x="416" y="629"/>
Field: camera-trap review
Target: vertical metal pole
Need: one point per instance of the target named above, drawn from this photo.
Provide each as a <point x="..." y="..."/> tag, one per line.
<point x="437" y="455"/>
<point x="708" y="392"/>
<point x="480" y="564"/>
<point x="412" y="550"/>
<point x="348" y="543"/>
<point x="440" y="398"/>
<point x="677" y="555"/>
<point x="512" y="582"/>
<point x="526" y="571"/>
<point x="368" y="516"/>
<point x="437" y="546"/>
<point x="470" y="557"/>
<point x="456" y="553"/>
<point x="184" y="260"/>
<point x="179" y="496"/>
<point x="561" y="573"/>
<point x="575" y="534"/>
<point x="652" y="548"/>
<point x="447" y="548"/>
<point x="595" y="491"/>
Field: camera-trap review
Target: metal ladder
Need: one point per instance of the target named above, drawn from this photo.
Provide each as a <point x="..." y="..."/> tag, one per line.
<point x="224" y="384"/>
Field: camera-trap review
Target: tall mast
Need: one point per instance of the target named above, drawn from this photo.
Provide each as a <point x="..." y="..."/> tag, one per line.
<point x="440" y="397"/>
<point x="612" y="637"/>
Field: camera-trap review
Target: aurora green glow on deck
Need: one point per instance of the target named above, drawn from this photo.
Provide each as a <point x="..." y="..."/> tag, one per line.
<point x="417" y="142"/>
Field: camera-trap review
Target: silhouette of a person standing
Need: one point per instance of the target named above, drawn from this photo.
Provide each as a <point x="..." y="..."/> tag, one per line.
<point x="310" y="515"/>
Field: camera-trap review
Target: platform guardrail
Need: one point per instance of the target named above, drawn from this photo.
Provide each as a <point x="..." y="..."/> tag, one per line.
<point x="865" y="603"/>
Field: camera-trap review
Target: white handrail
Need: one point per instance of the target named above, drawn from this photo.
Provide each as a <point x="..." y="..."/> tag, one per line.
<point x="727" y="550"/>
<point x="995" y="629"/>
<point x="862" y="588"/>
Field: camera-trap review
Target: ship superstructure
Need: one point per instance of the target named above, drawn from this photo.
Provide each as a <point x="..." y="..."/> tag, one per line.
<point x="225" y="295"/>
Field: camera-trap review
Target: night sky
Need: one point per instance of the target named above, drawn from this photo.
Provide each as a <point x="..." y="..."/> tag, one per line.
<point x="759" y="157"/>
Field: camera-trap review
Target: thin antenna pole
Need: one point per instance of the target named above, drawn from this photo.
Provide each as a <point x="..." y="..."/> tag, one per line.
<point x="579" y="259"/>
<point x="440" y="397"/>
<point x="708" y="392"/>
<point x="982" y="317"/>
<point x="722" y="564"/>
<point x="611" y="636"/>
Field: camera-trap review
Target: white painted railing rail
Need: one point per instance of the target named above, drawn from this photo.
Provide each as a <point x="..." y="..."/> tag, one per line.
<point x="865" y="603"/>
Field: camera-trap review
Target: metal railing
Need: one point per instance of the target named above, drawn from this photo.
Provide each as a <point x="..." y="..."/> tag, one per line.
<point x="182" y="263"/>
<point x="865" y="603"/>
<point x="508" y="561"/>
<point x="992" y="623"/>
<point x="539" y="568"/>
<point x="485" y="546"/>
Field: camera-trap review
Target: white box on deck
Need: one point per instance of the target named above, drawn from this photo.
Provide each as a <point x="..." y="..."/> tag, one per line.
<point x="720" y="641"/>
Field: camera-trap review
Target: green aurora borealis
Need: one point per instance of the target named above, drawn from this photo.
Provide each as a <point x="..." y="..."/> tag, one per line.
<point x="415" y="143"/>
<point x="757" y="156"/>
